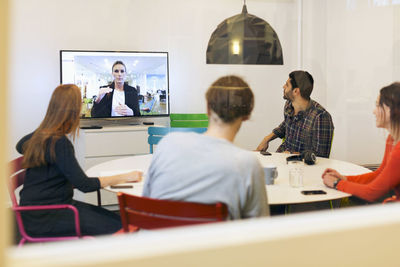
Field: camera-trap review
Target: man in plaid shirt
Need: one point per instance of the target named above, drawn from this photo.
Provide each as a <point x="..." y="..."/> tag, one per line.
<point x="307" y="126"/>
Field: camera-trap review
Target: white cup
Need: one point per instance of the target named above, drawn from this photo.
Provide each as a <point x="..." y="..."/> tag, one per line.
<point x="270" y="174"/>
<point x="296" y="171"/>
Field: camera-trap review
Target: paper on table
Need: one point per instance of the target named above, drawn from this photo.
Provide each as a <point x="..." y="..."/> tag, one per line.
<point x="115" y="172"/>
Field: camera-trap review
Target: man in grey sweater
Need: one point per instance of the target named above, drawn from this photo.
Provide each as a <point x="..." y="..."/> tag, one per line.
<point x="208" y="168"/>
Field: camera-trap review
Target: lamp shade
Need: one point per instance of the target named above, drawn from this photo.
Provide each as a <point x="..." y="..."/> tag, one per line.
<point x="244" y="39"/>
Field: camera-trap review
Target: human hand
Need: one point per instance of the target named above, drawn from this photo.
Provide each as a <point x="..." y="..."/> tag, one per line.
<point x="263" y="145"/>
<point x="128" y="177"/>
<point x="333" y="173"/>
<point x="102" y="92"/>
<point x="124" y="110"/>
<point x="105" y="90"/>
<point x="329" y="180"/>
<point x="290" y="152"/>
<point x="133" y="176"/>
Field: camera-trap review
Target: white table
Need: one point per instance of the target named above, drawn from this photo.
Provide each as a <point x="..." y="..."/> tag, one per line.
<point x="281" y="193"/>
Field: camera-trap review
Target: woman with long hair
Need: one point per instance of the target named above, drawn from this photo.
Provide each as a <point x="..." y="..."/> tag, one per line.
<point x="374" y="185"/>
<point x="118" y="98"/>
<point x="209" y="168"/>
<point x="52" y="172"/>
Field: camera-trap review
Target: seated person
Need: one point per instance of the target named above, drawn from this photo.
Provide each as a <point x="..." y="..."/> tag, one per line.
<point x="208" y="168"/>
<point x="118" y="98"/>
<point x="307" y="126"/>
<point x="52" y="172"/>
<point x="148" y="105"/>
<point x="373" y="185"/>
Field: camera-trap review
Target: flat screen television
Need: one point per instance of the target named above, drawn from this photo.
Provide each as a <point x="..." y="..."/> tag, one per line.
<point x="146" y="77"/>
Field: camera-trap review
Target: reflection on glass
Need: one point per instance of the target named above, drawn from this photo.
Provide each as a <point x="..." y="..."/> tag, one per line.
<point x="244" y="39"/>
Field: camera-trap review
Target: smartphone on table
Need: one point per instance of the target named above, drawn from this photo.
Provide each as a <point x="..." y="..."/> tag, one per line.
<point x="313" y="192"/>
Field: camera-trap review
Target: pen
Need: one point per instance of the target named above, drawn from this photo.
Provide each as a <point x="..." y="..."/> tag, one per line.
<point x="121" y="186"/>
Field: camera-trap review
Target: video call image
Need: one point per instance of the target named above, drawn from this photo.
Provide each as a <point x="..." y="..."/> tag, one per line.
<point x="147" y="72"/>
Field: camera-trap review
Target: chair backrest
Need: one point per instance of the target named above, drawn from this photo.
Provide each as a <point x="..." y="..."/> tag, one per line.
<point x="148" y="213"/>
<point x="17" y="178"/>
<point x="157" y="133"/>
<point x="188" y="120"/>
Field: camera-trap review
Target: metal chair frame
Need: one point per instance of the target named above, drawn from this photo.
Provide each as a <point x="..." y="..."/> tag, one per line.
<point x="17" y="178"/>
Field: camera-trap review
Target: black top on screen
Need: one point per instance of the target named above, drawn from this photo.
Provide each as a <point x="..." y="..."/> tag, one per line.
<point x="146" y="86"/>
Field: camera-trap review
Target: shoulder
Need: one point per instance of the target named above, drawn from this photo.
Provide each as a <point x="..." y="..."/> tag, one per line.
<point x="396" y="147"/>
<point x="393" y="153"/>
<point x="318" y="111"/>
<point x="22" y="141"/>
<point x="317" y="107"/>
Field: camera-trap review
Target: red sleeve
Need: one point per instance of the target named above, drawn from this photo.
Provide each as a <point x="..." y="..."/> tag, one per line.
<point x="368" y="177"/>
<point x="387" y="179"/>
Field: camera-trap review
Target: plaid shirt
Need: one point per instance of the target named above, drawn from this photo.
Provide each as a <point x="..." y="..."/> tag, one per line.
<point x="311" y="129"/>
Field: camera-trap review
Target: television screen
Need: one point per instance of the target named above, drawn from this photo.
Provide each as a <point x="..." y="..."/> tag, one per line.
<point x="118" y="84"/>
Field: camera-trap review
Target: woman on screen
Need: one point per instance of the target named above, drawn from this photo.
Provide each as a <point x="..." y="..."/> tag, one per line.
<point x="374" y="185"/>
<point x="53" y="171"/>
<point x="118" y="98"/>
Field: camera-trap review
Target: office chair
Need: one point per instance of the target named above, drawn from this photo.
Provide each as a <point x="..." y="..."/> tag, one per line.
<point x="157" y="133"/>
<point x="193" y="120"/>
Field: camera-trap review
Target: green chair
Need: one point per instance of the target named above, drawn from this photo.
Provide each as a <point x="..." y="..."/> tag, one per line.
<point x="157" y="133"/>
<point x="191" y="120"/>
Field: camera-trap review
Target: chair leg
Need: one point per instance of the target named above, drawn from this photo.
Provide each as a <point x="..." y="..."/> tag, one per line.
<point x="22" y="242"/>
<point x="98" y="198"/>
<point x="287" y="209"/>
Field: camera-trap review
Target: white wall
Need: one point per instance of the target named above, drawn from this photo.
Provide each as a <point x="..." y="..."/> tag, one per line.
<point x="41" y="28"/>
<point x="348" y="45"/>
<point x="362" y="43"/>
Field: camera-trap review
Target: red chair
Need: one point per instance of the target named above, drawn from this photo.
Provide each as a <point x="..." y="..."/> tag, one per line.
<point x="148" y="213"/>
<point x="17" y="177"/>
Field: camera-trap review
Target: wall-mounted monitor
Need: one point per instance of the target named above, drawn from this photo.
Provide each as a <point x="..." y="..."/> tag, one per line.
<point x="137" y="87"/>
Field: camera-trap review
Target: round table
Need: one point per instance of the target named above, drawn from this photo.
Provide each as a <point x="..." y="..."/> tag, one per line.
<point x="280" y="193"/>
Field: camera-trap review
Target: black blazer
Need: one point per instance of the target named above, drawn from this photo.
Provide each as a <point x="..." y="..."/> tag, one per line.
<point x="103" y="108"/>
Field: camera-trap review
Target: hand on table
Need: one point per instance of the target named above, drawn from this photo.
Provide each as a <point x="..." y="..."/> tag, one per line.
<point x="263" y="146"/>
<point x="333" y="173"/>
<point x="329" y="180"/>
<point x="330" y="176"/>
<point x="290" y="152"/>
<point x="133" y="176"/>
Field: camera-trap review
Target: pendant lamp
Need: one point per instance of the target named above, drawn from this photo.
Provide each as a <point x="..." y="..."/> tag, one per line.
<point x="244" y="39"/>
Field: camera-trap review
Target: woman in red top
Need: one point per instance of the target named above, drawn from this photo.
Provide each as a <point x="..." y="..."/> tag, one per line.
<point x="371" y="186"/>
